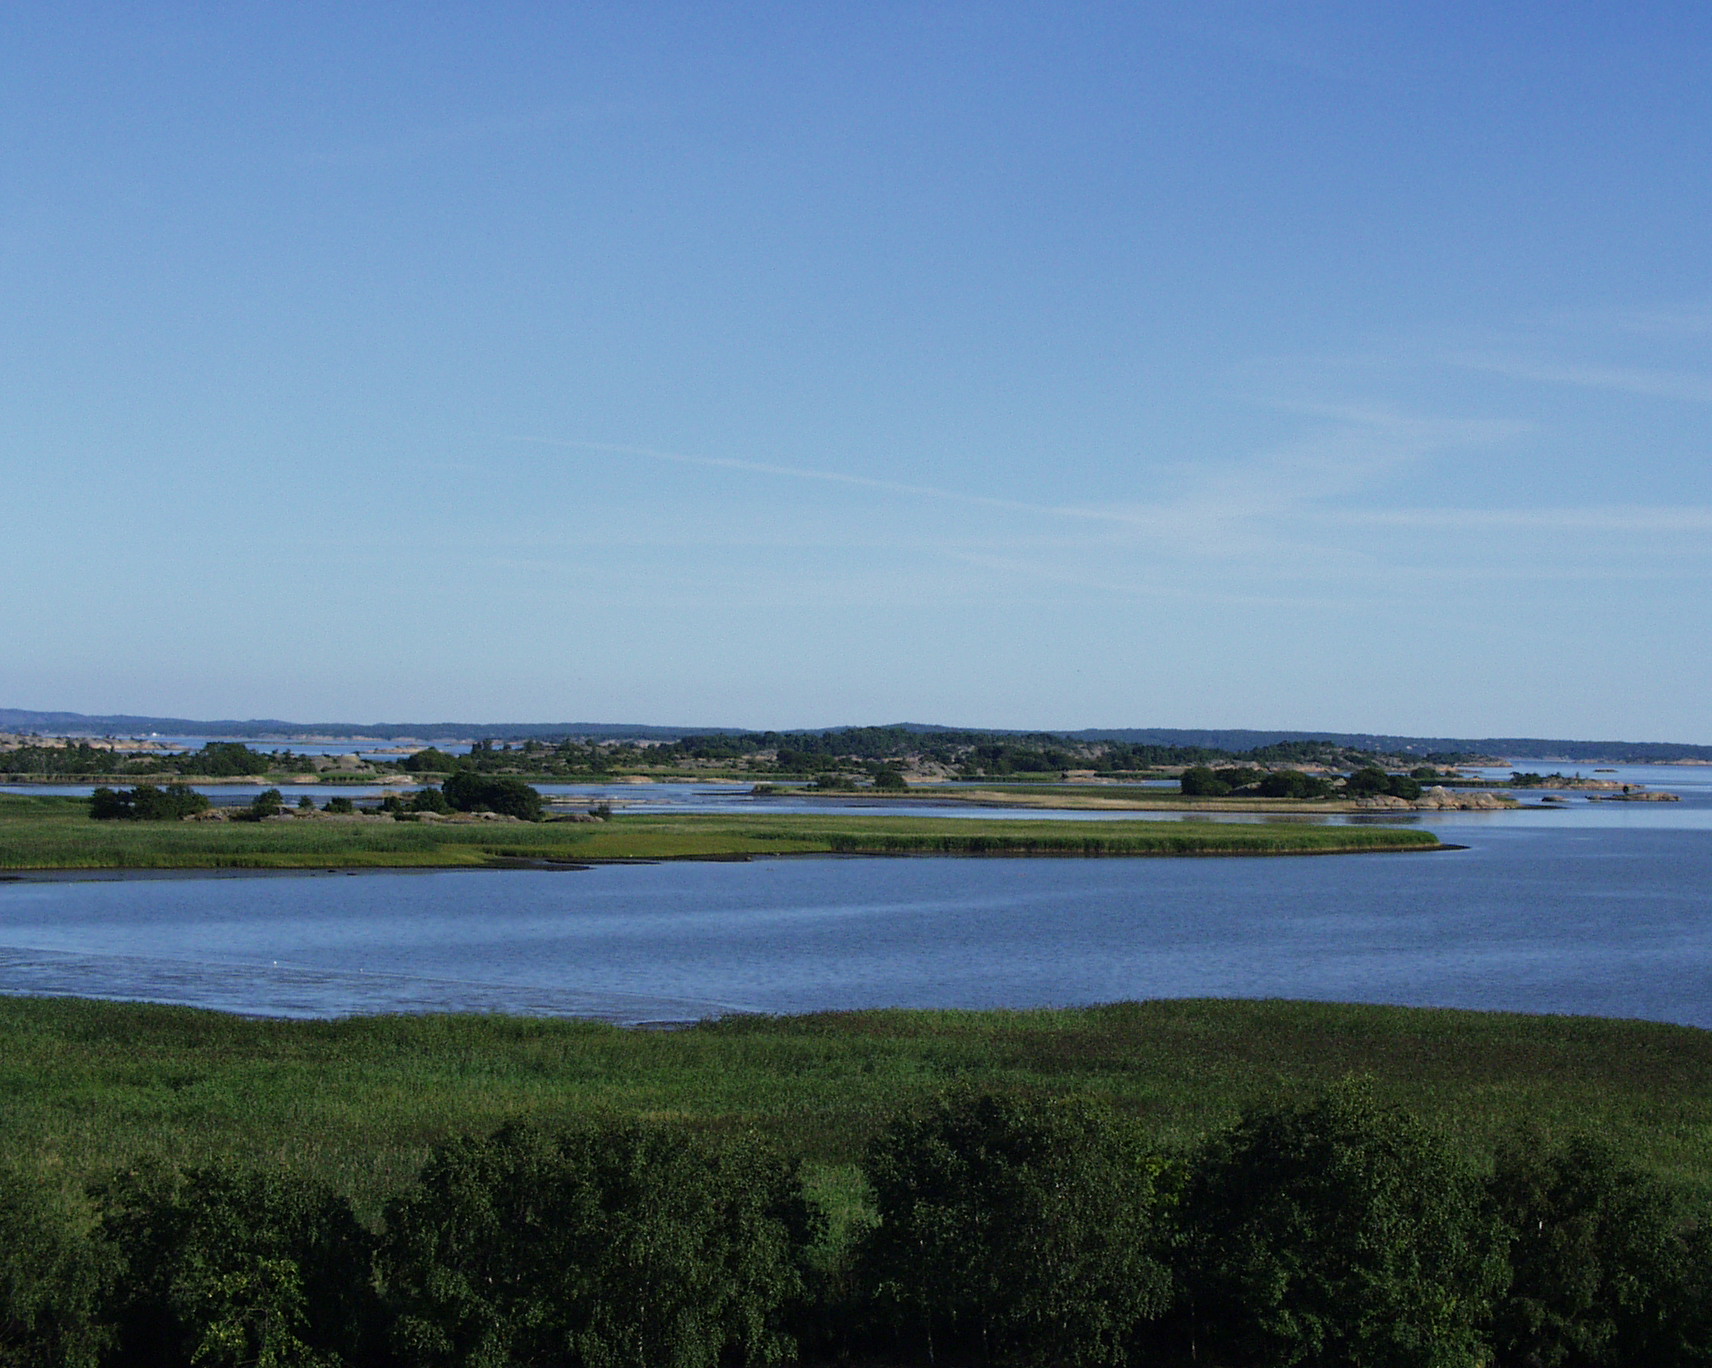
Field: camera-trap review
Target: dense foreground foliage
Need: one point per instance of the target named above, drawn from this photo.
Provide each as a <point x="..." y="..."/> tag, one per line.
<point x="1338" y="1232"/>
<point x="1163" y="1182"/>
<point x="59" y="833"/>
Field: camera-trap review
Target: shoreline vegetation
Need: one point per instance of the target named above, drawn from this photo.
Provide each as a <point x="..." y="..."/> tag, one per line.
<point x="359" y="1101"/>
<point x="1028" y="771"/>
<point x="1087" y="798"/>
<point x="1139" y="1182"/>
<point x="56" y="833"/>
<point x="883" y="757"/>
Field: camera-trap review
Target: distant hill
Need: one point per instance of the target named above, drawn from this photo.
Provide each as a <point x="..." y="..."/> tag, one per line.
<point x="273" y="728"/>
<point x="1511" y="747"/>
<point x="1228" y="739"/>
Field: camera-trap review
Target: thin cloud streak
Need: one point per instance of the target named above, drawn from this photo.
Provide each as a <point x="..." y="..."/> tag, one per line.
<point x="1222" y="499"/>
<point x="1646" y="384"/>
<point x="1637" y="519"/>
<point x="1244" y="508"/>
<point x="833" y="477"/>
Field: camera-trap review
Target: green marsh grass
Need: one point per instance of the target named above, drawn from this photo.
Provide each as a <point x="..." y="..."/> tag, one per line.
<point x="56" y="833"/>
<point x="86" y="1085"/>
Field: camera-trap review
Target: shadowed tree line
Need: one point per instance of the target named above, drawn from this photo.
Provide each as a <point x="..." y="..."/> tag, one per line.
<point x="215" y="760"/>
<point x="1203" y="781"/>
<point x="997" y="1231"/>
<point x="464" y="791"/>
<point x="972" y="755"/>
<point x="871" y="749"/>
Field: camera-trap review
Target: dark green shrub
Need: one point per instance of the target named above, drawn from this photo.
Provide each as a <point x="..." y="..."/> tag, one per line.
<point x="633" y="1246"/>
<point x="108" y="805"/>
<point x="146" y="803"/>
<point x="267" y="803"/>
<point x="1199" y="781"/>
<point x="1372" y="780"/>
<point x="220" y="1267"/>
<point x="1600" y="1266"/>
<point x="1014" y="1232"/>
<point x="1339" y="1234"/>
<point x="429" y="799"/>
<point x="1293" y="784"/>
<point x="224" y="760"/>
<point x="430" y="761"/>
<point x="344" y="805"/>
<point x="468" y="791"/>
<point x="52" y="1277"/>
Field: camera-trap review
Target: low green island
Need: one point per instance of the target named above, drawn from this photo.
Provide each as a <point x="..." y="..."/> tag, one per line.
<point x="57" y="833"/>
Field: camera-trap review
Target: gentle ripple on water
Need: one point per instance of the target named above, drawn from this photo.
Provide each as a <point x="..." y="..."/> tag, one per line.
<point x="1606" y="921"/>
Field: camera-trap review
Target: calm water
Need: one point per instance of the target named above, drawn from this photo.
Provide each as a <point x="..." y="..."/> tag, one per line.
<point x="1601" y="908"/>
<point x="1613" y="920"/>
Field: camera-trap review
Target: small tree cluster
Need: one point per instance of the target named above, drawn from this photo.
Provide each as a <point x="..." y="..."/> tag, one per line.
<point x="467" y="791"/>
<point x="431" y="760"/>
<point x="1371" y="781"/>
<point x="146" y="803"/>
<point x="1201" y="781"/>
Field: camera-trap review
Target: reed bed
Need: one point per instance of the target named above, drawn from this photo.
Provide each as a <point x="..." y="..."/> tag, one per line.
<point x="91" y="1085"/>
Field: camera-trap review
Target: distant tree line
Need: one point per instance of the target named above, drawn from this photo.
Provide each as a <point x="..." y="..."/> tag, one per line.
<point x="1245" y="781"/>
<point x="215" y="760"/>
<point x="858" y="750"/>
<point x="973" y="755"/>
<point x="1005" y="1231"/>
<point x="462" y="792"/>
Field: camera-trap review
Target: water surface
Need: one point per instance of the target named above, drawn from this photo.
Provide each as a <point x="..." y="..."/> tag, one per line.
<point x="1612" y="920"/>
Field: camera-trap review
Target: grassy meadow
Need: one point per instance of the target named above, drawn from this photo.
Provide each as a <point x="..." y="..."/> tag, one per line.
<point x="51" y="832"/>
<point x="85" y="1085"/>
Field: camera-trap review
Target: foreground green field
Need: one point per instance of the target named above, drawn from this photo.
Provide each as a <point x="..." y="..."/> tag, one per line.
<point x="86" y="1085"/>
<point x="56" y="833"/>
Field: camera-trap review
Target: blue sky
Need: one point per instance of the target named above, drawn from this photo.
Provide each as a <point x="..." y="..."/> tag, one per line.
<point x="1216" y="364"/>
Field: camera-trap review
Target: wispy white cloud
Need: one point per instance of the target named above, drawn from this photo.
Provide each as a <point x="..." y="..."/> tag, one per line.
<point x="1591" y="519"/>
<point x="1216" y="509"/>
<point x="1304" y="521"/>
<point x="1649" y="384"/>
<point x="803" y="473"/>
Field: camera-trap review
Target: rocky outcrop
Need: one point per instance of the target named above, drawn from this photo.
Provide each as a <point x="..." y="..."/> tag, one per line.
<point x="1637" y="796"/>
<point x="1440" y="799"/>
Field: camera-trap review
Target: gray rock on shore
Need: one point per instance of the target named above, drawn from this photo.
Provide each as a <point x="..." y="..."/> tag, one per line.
<point x="1440" y="799"/>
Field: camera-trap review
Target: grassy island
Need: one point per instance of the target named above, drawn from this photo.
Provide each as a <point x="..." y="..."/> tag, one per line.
<point x="47" y="833"/>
